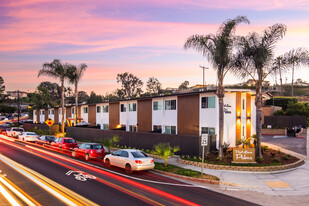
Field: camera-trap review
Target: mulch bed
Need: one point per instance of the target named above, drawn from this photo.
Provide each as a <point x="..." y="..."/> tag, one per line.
<point x="270" y="157"/>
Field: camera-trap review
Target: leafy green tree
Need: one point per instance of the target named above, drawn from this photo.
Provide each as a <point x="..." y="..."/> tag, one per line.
<point x="131" y="86"/>
<point x="153" y="85"/>
<point x="94" y="98"/>
<point x="41" y="98"/>
<point x="254" y="59"/>
<point x="54" y="90"/>
<point x="296" y="109"/>
<point x="2" y="89"/>
<point x="7" y="109"/>
<point x="57" y="70"/>
<point x="165" y="151"/>
<point x="295" y="58"/>
<point x="218" y="49"/>
<point x="184" y="85"/>
<point x="75" y="74"/>
<point x="282" y="102"/>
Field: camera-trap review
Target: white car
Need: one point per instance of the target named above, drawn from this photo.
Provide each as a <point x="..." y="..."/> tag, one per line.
<point x="130" y="160"/>
<point x="28" y="136"/>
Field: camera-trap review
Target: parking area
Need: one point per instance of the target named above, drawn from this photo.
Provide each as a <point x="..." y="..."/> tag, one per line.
<point x="295" y="144"/>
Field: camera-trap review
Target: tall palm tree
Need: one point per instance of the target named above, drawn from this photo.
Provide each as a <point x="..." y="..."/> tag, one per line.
<point x="218" y="49"/>
<point x="254" y="59"/>
<point x="60" y="71"/>
<point x="295" y="58"/>
<point x="279" y="64"/>
<point x="75" y="74"/>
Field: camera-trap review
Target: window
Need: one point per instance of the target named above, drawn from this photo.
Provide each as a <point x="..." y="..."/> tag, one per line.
<point x="157" y="128"/>
<point x="208" y="130"/>
<point x="48" y="111"/>
<point x="42" y="113"/>
<point x="243" y="104"/>
<point x="170" y="104"/>
<point x="105" y="108"/>
<point x="132" y="107"/>
<point x="124" y="154"/>
<point x="53" y="111"/>
<point x="105" y="126"/>
<point x="72" y="110"/>
<point x="208" y="102"/>
<point x="85" y="110"/>
<point x="118" y="153"/>
<point x="157" y="105"/>
<point x="170" y="129"/>
<point x="122" y="108"/>
<point x="132" y="128"/>
<point x="98" y="109"/>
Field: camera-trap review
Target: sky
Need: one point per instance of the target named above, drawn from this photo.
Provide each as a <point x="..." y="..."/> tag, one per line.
<point x="145" y="38"/>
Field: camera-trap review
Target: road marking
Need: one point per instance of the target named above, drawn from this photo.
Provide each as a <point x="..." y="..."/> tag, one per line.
<point x="7" y="196"/>
<point x="80" y="175"/>
<point x="67" y="196"/>
<point x="277" y="184"/>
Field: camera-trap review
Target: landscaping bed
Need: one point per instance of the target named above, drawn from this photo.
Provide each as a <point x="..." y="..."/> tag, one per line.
<point x="184" y="172"/>
<point x="270" y="158"/>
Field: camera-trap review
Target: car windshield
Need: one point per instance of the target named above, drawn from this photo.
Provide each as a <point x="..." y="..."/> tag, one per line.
<point x="50" y="138"/>
<point x="96" y="146"/>
<point x="139" y="154"/>
<point x="69" y="141"/>
<point x="18" y="130"/>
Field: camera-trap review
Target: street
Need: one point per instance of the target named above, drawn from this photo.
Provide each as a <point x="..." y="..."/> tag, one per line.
<point x="98" y="184"/>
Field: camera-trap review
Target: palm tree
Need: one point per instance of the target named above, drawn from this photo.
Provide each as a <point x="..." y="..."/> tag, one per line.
<point x="296" y="58"/>
<point x="75" y="74"/>
<point x="57" y="70"/>
<point x="279" y="64"/>
<point x="165" y="151"/>
<point x="69" y="90"/>
<point x="254" y="59"/>
<point x="218" y="49"/>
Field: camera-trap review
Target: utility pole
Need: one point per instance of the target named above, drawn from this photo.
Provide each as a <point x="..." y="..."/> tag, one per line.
<point x="18" y="106"/>
<point x="204" y="74"/>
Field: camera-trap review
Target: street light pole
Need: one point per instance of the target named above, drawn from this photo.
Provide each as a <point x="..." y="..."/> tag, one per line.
<point x="18" y="107"/>
<point x="204" y="74"/>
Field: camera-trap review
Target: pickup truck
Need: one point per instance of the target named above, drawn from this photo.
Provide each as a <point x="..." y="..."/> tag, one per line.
<point x="14" y="132"/>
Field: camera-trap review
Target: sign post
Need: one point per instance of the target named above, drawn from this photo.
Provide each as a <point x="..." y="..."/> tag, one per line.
<point x="204" y="142"/>
<point x="49" y="122"/>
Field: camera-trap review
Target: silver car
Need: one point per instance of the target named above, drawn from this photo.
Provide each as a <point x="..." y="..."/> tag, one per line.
<point x="130" y="160"/>
<point x="28" y="136"/>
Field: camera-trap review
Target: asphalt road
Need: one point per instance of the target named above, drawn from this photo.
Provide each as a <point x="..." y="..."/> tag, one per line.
<point x="104" y="186"/>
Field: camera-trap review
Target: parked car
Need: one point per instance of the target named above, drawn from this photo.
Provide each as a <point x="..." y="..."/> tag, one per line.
<point x="65" y="143"/>
<point x="28" y="136"/>
<point x="46" y="140"/>
<point x="130" y="160"/>
<point x="83" y="124"/>
<point x="89" y="150"/>
<point x="7" y="124"/>
<point x="15" y="131"/>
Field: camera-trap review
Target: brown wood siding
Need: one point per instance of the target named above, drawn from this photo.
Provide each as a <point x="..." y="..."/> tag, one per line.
<point x="113" y="115"/>
<point x="79" y="112"/>
<point x="144" y="115"/>
<point x="188" y="115"/>
<point x="238" y="114"/>
<point x="248" y="126"/>
<point x="56" y="116"/>
<point x="37" y="112"/>
<point x="92" y="114"/>
<point x="68" y="112"/>
<point x="46" y="114"/>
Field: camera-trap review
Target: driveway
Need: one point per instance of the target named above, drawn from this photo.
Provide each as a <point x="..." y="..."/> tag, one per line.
<point x="295" y="144"/>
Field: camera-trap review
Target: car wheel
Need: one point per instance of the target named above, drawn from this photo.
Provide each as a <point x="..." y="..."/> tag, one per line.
<point x="23" y="139"/>
<point x="87" y="157"/>
<point x="128" y="168"/>
<point x="73" y="154"/>
<point x="107" y="163"/>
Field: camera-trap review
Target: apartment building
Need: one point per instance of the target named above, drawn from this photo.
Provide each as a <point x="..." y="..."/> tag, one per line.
<point x="192" y="113"/>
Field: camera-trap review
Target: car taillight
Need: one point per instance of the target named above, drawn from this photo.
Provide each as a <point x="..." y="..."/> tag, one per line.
<point x="139" y="161"/>
<point x="152" y="161"/>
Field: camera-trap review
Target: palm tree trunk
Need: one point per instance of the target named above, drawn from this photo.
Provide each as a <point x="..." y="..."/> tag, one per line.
<point x="292" y="84"/>
<point x="258" y="104"/>
<point x="76" y="103"/>
<point x="220" y="94"/>
<point x="62" y="105"/>
<point x="165" y="164"/>
<point x="280" y="81"/>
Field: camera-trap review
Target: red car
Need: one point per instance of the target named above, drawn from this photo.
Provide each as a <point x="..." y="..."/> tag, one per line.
<point x="65" y="143"/>
<point x="89" y="150"/>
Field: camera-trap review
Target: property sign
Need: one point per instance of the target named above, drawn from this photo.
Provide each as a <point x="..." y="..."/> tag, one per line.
<point x="49" y="122"/>
<point x="204" y="141"/>
<point x="244" y="155"/>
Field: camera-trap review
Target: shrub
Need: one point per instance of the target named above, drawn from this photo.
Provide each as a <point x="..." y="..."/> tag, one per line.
<point x="272" y="154"/>
<point x="165" y="151"/>
<point x="276" y="160"/>
<point x="286" y="157"/>
<point x="259" y="159"/>
<point x="226" y="146"/>
<point x="229" y="156"/>
<point x="219" y="159"/>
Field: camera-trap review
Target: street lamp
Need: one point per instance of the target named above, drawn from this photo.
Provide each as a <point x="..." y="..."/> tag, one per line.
<point x="203" y="74"/>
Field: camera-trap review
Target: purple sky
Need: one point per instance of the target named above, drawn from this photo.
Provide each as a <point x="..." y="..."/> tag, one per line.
<point x="145" y="38"/>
